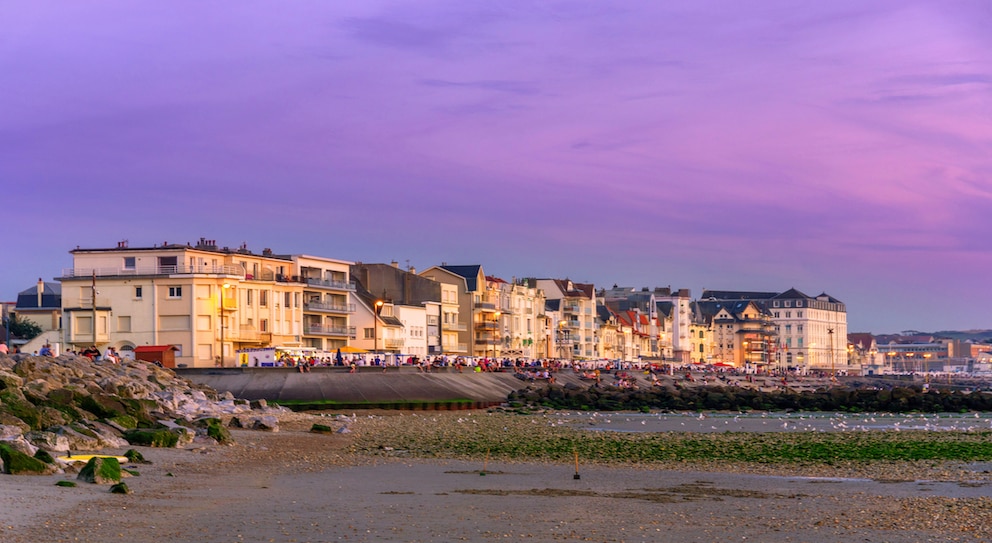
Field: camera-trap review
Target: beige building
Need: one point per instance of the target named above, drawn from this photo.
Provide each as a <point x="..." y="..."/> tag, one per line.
<point x="204" y="300"/>
<point x="327" y="303"/>
<point x="577" y="306"/>
<point x="518" y="318"/>
<point x="468" y="310"/>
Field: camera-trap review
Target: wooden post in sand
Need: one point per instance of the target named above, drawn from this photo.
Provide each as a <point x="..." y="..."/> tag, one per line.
<point x="485" y="463"/>
<point x="576" y="476"/>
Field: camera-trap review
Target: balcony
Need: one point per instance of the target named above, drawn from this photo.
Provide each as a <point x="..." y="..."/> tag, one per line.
<point x="454" y="327"/>
<point x="327" y="330"/>
<point x="392" y="343"/>
<point x="321" y="307"/>
<point x="456" y="348"/>
<point x="571" y="308"/>
<point x="77" y="273"/>
<point x="247" y="334"/>
<point x="485" y="325"/>
<point x="324" y="283"/>
<point x="485" y="306"/>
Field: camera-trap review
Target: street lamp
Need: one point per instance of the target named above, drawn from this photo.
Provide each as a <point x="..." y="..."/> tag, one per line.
<point x="800" y="357"/>
<point x="830" y="332"/>
<point x="224" y="287"/>
<point x="495" y="331"/>
<point x="375" y="328"/>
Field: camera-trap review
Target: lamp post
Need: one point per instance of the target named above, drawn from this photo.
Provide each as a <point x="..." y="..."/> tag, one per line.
<point x="375" y="328"/>
<point x="830" y="332"/>
<point x="223" y="290"/>
<point x="495" y="330"/>
<point x="800" y="358"/>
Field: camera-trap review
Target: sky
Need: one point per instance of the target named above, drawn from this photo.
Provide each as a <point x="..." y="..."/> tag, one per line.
<point x="841" y="147"/>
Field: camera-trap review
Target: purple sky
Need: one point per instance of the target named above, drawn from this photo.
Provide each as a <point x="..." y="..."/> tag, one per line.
<point x="841" y="146"/>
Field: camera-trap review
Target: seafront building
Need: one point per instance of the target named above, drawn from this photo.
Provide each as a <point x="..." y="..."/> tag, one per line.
<point x="209" y="302"/>
<point x="468" y="310"/>
<point x="204" y="300"/>
<point x="573" y="319"/>
<point x="801" y="331"/>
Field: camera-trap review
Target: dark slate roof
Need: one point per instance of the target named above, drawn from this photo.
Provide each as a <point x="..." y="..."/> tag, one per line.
<point x="792" y="294"/>
<point x="603" y="313"/>
<point x="51" y="297"/>
<point x="470" y="273"/>
<point x="552" y="305"/>
<point x="736" y="295"/>
<point x="665" y="308"/>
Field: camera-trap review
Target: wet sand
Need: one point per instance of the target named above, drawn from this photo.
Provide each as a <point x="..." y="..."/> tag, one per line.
<point x="297" y="486"/>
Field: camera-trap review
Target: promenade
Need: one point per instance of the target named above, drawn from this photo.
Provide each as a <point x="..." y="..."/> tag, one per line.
<point x="396" y="385"/>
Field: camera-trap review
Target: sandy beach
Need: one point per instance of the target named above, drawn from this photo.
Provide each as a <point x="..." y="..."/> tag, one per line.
<point x="296" y="486"/>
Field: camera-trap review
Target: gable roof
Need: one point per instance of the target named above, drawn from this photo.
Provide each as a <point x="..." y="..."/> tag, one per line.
<point x="470" y="273"/>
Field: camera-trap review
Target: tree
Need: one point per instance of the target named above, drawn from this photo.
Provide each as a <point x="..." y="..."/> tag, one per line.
<point x="22" y="328"/>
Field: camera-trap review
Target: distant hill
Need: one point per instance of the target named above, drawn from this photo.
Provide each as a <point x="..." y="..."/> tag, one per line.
<point x="977" y="336"/>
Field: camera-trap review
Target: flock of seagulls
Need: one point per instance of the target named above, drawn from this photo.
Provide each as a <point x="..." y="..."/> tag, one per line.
<point x="776" y="422"/>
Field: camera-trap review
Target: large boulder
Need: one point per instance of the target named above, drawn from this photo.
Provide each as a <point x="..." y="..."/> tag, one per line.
<point x="17" y="463"/>
<point x="49" y="441"/>
<point x="101" y="471"/>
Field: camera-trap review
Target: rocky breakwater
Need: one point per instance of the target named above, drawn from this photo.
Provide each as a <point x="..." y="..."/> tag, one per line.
<point x="67" y="405"/>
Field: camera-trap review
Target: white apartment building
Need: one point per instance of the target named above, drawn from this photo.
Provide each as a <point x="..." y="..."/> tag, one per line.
<point x="205" y="301"/>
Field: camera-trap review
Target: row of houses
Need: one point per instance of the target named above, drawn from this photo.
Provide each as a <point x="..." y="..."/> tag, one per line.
<point x="209" y="302"/>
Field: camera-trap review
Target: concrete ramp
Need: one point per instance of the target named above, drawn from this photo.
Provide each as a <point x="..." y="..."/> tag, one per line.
<point x="368" y="385"/>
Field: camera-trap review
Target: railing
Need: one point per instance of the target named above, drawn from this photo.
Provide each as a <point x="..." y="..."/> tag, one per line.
<point x="393" y="343"/>
<point x="152" y="270"/>
<point x="572" y="308"/>
<point x="485" y="325"/>
<point x="455" y="327"/>
<point x="325" y="330"/>
<point x="485" y="306"/>
<point x="341" y="285"/>
<point x="320" y="306"/>
<point x="249" y="334"/>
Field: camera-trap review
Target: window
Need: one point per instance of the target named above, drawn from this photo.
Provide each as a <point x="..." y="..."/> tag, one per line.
<point x="788" y="303"/>
<point x="263" y="298"/>
<point x="129" y="262"/>
<point x="286" y="300"/>
<point x="123" y="324"/>
<point x="248" y="296"/>
<point x="799" y="314"/>
<point x="776" y="314"/>
<point x="137" y="292"/>
<point x="788" y="314"/>
<point x="175" y="292"/>
<point x="369" y="333"/>
<point x="799" y="303"/>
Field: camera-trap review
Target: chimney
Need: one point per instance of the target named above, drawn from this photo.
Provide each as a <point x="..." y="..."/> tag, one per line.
<point x="395" y="264"/>
<point x="41" y="291"/>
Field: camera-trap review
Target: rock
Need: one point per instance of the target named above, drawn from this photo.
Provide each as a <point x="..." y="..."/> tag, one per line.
<point x="344" y="430"/>
<point x="10" y="432"/>
<point x="102" y="471"/>
<point x="20" y="444"/>
<point x="120" y="488"/>
<point x="258" y="404"/>
<point x="235" y="422"/>
<point x="17" y="463"/>
<point x="266" y="423"/>
<point x="49" y="441"/>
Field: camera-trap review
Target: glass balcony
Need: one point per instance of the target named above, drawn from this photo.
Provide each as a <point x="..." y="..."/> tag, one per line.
<point x="321" y="307"/>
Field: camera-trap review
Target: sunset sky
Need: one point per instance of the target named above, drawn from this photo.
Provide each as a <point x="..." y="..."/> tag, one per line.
<point x="841" y="147"/>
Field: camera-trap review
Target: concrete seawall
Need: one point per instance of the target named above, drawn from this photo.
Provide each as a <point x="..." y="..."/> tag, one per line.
<point x="368" y="385"/>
